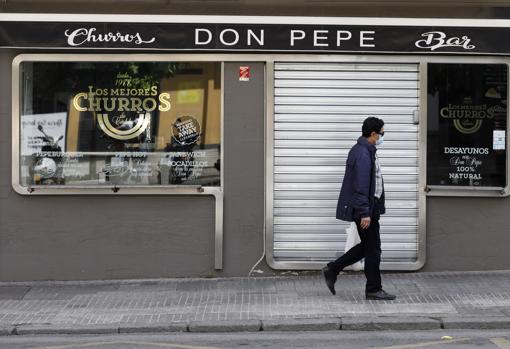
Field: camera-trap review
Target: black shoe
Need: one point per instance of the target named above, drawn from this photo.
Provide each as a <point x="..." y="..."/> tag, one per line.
<point x="330" y="278"/>
<point x="380" y="296"/>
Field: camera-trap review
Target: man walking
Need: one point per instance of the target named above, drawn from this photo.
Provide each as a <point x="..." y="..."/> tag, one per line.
<point x="362" y="201"/>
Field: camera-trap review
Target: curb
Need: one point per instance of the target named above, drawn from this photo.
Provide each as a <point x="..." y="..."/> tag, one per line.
<point x="479" y="323"/>
<point x="348" y="323"/>
<point x="162" y="281"/>
<point x="64" y="329"/>
<point x="6" y="331"/>
<point x="153" y="328"/>
<point x="225" y="326"/>
<point x="312" y="324"/>
<point x="390" y="323"/>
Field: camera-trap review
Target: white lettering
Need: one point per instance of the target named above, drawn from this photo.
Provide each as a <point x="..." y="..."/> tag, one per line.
<point x="340" y="38"/>
<point x="462" y="151"/>
<point x="294" y="37"/>
<point x="231" y="43"/>
<point x="80" y="36"/>
<point x="435" y="40"/>
<point x="316" y="37"/>
<point x="71" y="37"/>
<point x="465" y="176"/>
<point x="259" y="39"/>
<point x="363" y="38"/>
<point x="197" y="36"/>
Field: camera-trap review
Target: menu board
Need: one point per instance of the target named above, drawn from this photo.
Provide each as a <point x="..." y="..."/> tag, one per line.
<point x="466" y="125"/>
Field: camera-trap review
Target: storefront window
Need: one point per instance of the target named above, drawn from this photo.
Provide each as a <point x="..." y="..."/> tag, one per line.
<point x="120" y="123"/>
<point x="466" y="125"/>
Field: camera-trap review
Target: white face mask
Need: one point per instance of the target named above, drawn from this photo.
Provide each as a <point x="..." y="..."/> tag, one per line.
<point x="380" y="140"/>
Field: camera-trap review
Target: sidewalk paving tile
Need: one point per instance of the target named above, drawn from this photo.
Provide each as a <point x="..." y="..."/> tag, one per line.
<point x="280" y="302"/>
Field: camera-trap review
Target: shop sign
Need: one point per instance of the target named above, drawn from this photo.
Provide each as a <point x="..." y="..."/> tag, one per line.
<point x="255" y="37"/>
<point x="114" y="104"/>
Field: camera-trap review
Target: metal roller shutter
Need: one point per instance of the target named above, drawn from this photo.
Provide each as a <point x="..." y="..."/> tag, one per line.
<point x="319" y="109"/>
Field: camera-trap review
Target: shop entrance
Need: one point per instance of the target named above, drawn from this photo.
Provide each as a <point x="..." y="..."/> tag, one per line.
<point x="318" y="112"/>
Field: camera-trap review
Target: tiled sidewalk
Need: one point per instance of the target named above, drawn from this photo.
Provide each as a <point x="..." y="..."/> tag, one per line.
<point x="153" y="302"/>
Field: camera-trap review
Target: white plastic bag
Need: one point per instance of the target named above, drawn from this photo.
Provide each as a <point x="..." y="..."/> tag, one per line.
<point x="352" y="240"/>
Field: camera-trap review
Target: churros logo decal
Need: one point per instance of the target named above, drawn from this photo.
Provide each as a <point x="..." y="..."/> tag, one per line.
<point x="140" y="125"/>
<point x="123" y="112"/>
<point x="467" y="118"/>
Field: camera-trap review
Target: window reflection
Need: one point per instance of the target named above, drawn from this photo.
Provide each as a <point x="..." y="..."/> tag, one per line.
<point x="466" y="125"/>
<point x="120" y="123"/>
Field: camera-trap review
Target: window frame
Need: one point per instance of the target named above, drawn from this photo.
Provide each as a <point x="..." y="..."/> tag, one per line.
<point x="461" y="191"/>
<point x="120" y="189"/>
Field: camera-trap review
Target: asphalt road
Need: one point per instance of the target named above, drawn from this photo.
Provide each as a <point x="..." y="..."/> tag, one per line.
<point x="320" y="340"/>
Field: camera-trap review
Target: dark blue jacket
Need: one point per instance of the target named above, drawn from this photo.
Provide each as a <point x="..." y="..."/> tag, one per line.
<point x="357" y="194"/>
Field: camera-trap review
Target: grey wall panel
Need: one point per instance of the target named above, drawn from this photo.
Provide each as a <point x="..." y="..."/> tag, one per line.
<point x="89" y="237"/>
<point x="244" y="167"/>
<point x="467" y="234"/>
<point x="5" y="130"/>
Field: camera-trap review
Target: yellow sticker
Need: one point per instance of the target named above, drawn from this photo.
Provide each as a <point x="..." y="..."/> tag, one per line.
<point x="189" y="93"/>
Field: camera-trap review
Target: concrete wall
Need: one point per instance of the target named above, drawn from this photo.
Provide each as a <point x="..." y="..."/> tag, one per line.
<point x="244" y="167"/>
<point x="99" y="237"/>
<point x="467" y="234"/>
<point x="102" y="237"/>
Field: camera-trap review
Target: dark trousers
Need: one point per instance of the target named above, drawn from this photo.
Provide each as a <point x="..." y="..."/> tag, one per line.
<point x="370" y="249"/>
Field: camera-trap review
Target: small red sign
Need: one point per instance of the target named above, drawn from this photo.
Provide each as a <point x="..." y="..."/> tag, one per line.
<point x="244" y="73"/>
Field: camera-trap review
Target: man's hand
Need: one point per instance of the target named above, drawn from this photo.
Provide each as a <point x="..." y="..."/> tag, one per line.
<point x="365" y="222"/>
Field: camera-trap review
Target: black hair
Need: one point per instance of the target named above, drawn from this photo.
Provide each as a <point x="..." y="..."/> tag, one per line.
<point x="371" y="124"/>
